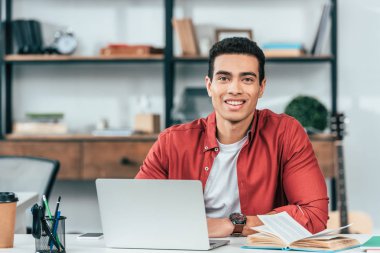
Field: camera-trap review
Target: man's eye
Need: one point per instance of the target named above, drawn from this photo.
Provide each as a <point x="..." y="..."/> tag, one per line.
<point x="248" y="80"/>
<point x="222" y="78"/>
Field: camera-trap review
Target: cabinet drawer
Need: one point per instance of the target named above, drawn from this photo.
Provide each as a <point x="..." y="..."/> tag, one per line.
<point x="68" y="154"/>
<point x="114" y="159"/>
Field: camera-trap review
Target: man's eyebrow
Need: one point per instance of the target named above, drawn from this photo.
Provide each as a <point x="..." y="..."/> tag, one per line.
<point x="248" y="74"/>
<point x="223" y="72"/>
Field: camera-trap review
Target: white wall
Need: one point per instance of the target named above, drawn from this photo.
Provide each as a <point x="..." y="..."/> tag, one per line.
<point x="112" y="91"/>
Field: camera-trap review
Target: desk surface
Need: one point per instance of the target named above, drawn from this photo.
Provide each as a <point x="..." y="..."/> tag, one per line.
<point x="25" y="243"/>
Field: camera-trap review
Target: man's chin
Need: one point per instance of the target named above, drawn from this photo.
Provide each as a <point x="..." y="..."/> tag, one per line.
<point x="234" y="119"/>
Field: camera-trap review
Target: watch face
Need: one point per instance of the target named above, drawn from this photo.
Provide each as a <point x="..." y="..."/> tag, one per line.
<point x="238" y="218"/>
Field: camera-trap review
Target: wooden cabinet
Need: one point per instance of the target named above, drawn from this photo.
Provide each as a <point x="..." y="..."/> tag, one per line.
<point x="113" y="159"/>
<point x="87" y="158"/>
<point x="325" y="151"/>
<point x="84" y="158"/>
<point x="68" y="154"/>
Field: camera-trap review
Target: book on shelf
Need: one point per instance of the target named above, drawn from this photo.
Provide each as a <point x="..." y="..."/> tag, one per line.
<point x="41" y="123"/>
<point x="322" y="32"/>
<point x="130" y="50"/>
<point x="187" y="37"/>
<point x="281" y="231"/>
<point x="278" y="49"/>
<point x="39" y="128"/>
<point x="372" y="245"/>
<point x="28" y="36"/>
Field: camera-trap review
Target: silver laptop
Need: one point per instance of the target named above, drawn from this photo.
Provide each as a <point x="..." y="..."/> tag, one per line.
<point x="154" y="214"/>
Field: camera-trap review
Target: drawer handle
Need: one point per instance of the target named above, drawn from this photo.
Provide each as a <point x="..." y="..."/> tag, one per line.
<point x="127" y="161"/>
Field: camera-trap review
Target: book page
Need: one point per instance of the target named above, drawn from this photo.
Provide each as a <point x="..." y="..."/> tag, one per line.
<point x="328" y="232"/>
<point x="285" y="227"/>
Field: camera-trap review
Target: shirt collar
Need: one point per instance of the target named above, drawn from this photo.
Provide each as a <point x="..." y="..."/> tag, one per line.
<point x="210" y="140"/>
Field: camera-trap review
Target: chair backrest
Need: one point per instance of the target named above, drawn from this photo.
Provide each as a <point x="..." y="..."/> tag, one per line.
<point x="28" y="174"/>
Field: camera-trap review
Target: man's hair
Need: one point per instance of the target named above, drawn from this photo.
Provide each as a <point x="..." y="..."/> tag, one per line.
<point x="236" y="45"/>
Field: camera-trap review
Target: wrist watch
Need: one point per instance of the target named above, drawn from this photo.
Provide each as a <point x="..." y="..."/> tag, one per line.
<point x="238" y="220"/>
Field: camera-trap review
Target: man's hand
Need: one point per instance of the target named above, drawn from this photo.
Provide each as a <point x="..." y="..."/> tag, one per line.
<point x="253" y="221"/>
<point x="219" y="227"/>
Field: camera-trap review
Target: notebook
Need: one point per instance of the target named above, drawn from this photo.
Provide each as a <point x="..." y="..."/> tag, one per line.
<point x="154" y="214"/>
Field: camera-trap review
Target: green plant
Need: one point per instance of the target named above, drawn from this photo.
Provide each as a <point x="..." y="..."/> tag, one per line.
<point x="311" y="113"/>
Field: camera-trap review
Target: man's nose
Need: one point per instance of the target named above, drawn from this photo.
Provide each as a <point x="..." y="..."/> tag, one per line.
<point x="234" y="87"/>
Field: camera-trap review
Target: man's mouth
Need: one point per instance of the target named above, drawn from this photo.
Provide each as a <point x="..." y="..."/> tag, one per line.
<point x="234" y="102"/>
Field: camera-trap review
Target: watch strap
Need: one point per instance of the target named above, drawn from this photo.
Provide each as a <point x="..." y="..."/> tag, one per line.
<point x="238" y="230"/>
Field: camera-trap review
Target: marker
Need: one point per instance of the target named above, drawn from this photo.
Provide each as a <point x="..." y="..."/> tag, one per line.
<point x="46" y="206"/>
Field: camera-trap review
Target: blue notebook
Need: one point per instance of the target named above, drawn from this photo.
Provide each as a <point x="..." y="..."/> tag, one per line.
<point x="281" y="232"/>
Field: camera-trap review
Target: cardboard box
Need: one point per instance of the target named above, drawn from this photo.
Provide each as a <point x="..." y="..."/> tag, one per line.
<point x="147" y="123"/>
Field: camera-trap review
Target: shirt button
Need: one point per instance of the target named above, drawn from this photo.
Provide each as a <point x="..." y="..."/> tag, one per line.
<point x="206" y="168"/>
<point x="206" y="147"/>
<point x="216" y="149"/>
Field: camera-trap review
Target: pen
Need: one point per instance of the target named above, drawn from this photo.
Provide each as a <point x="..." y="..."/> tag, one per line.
<point x="57" y="207"/>
<point x="55" y="227"/>
<point x="46" y="227"/>
<point x="55" y="220"/>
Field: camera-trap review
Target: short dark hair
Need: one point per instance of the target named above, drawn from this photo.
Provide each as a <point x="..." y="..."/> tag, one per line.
<point x="236" y="45"/>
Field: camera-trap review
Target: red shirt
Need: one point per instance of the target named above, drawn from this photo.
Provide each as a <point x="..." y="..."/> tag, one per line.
<point x="276" y="168"/>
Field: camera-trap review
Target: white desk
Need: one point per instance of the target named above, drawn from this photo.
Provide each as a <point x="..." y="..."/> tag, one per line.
<point x="25" y="243"/>
<point x="23" y="215"/>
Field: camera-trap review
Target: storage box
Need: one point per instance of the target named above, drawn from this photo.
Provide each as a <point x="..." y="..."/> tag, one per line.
<point x="147" y="123"/>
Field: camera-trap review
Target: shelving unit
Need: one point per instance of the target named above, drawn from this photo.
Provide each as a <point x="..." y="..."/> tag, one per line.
<point x="8" y="60"/>
<point x="169" y="61"/>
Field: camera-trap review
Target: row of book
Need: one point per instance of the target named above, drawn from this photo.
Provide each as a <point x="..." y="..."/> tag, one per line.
<point x="188" y="40"/>
<point x="28" y="36"/>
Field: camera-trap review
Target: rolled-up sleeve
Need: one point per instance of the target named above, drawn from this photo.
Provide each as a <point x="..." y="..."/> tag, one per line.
<point x="303" y="181"/>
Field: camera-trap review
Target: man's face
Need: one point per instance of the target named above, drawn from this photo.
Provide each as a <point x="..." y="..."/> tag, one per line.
<point x="235" y="87"/>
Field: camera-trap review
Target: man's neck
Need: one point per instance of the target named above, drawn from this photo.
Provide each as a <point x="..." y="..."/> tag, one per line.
<point x="230" y="132"/>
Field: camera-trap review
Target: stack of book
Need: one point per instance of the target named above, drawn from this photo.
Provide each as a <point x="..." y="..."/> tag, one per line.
<point x="41" y="123"/>
<point x="28" y="36"/>
<point x="281" y="49"/>
<point x="187" y="37"/>
<point x="130" y="50"/>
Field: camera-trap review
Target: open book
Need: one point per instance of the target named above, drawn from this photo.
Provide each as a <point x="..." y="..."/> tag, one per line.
<point x="281" y="231"/>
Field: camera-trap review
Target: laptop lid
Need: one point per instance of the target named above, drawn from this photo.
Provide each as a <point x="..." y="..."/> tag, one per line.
<point x="153" y="214"/>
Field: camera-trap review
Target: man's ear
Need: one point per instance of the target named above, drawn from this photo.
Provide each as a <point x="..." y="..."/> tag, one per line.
<point x="262" y="87"/>
<point x="208" y="85"/>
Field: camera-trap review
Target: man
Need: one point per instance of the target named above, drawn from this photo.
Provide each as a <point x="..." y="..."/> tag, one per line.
<point x="250" y="161"/>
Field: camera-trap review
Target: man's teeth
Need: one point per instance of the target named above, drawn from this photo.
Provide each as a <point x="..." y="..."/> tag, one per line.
<point x="234" y="102"/>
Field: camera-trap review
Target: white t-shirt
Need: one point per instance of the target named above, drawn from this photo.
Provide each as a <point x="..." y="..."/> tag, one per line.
<point x="221" y="194"/>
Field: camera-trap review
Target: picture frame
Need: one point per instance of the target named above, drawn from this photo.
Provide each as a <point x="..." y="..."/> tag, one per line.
<point x="227" y="33"/>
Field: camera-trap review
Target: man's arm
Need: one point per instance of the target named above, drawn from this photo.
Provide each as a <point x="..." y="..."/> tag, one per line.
<point x="223" y="227"/>
<point x="155" y="165"/>
<point x="303" y="182"/>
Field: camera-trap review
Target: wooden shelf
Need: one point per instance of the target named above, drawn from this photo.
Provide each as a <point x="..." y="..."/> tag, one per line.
<point x="80" y="137"/>
<point x="303" y="59"/>
<point x="16" y="59"/>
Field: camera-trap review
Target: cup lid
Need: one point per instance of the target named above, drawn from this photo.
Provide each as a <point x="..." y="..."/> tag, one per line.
<point x="8" y="197"/>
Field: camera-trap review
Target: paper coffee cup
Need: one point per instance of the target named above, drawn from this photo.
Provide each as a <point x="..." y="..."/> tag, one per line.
<point x="8" y="201"/>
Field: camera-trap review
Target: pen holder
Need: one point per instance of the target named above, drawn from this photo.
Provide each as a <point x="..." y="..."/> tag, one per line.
<point x="48" y="243"/>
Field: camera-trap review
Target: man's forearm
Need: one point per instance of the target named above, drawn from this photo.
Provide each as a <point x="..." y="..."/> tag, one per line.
<point x="253" y="221"/>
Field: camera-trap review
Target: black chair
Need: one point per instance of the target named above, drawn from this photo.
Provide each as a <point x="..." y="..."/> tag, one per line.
<point x="28" y="174"/>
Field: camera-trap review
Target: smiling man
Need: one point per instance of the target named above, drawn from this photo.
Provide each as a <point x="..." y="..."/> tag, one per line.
<point x="250" y="161"/>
